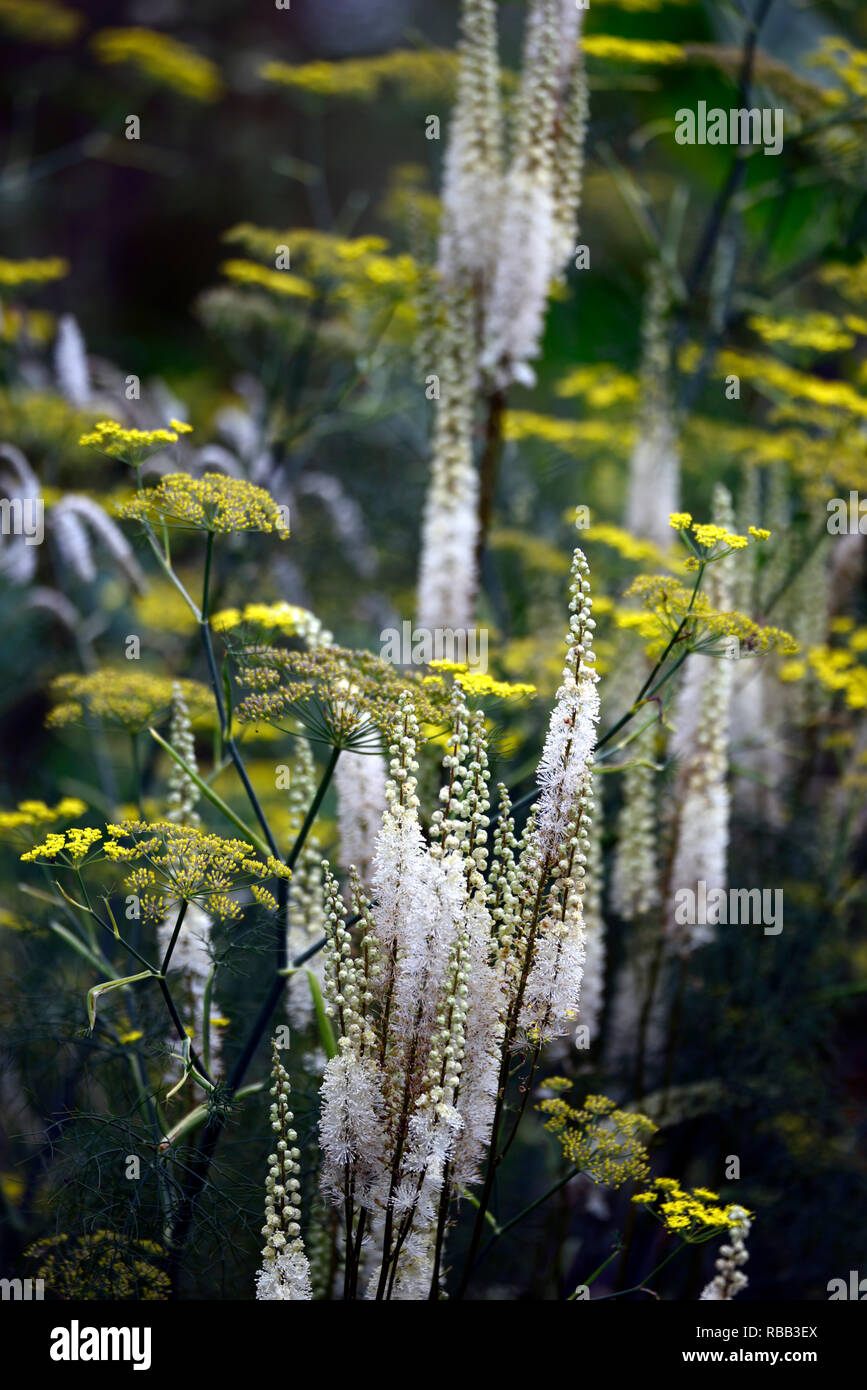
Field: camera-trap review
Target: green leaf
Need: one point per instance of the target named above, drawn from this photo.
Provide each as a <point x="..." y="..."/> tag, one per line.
<point x="93" y="994"/>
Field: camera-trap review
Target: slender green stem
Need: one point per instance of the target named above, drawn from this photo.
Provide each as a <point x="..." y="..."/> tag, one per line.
<point x="500" y="1231"/>
<point x="212" y="796"/>
<point x="637" y="1288"/>
<point x="313" y="811"/>
<point x="175" y="933"/>
<point x="595" y="1275"/>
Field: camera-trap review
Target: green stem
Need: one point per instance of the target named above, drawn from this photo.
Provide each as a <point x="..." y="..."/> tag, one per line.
<point x="212" y="796"/>
<point x="313" y="811"/>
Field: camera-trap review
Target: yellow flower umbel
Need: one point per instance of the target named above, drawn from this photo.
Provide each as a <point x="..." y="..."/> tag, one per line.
<point x="695" y="1216"/>
<point x="705" y="629"/>
<point x="213" y="503"/>
<point x="29" y="815"/>
<point x="70" y="847"/>
<point x="480" y="684"/>
<point x="32" y="271"/>
<point x="101" y="1265"/>
<point x="161" y="58"/>
<point x="131" y="446"/>
<point x="277" y="281"/>
<point x="605" y="1143"/>
<point x="170" y="864"/>
<point x="251" y="623"/>
<point x="346" y="699"/>
<point x="415" y="73"/>
<point x="127" y="699"/>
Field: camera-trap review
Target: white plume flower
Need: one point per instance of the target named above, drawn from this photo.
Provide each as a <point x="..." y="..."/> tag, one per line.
<point x="70" y="362"/>
<point x="654" y="468"/>
<point x="447" y="563"/>
<point x="360" y="782"/>
<point x="285" y="1271"/>
<point x="472" y="172"/>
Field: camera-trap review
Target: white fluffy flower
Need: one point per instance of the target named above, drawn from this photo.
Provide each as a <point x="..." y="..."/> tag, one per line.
<point x="351" y="1123"/>
<point x="286" y="1276"/>
<point x="70" y="362"/>
<point x="567" y="754"/>
<point x="360" y="782"/>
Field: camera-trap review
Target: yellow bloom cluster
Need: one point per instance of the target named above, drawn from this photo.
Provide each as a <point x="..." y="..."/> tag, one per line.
<point x="619" y="50"/>
<point x="537" y="553"/>
<point x="70" y="846"/>
<point x="629" y="546"/>
<point x="101" y="1265"/>
<point x="32" y="813"/>
<point x="670" y="602"/>
<point x="821" y="332"/>
<point x="174" y="863"/>
<point x="567" y="434"/>
<point x="130" y="445"/>
<point x="836" y="669"/>
<point x="277" y="281"/>
<point x="605" y="1143"/>
<point x="479" y="683"/>
<point x="845" y="61"/>
<point x="213" y="503"/>
<point x="345" y="698"/>
<point x="695" y="1215"/>
<point x="353" y="263"/>
<point x="286" y="618"/>
<point x="32" y="271"/>
<point x="416" y="74"/>
<point x="601" y="385"/>
<point x="850" y="280"/>
<point x="162" y="59"/>
<point x="126" y="698"/>
<point x="45" y="21"/>
<point x="709" y="536"/>
<point x="766" y="373"/>
<point x="33" y="325"/>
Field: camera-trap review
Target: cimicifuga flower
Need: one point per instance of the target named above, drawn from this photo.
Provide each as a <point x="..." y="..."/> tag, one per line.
<point x="730" y="1279"/>
<point x="183" y="792"/>
<point x="306" y="916"/>
<point x="70" y="362"/>
<point x="472" y="171"/>
<point x="77" y="521"/>
<point x="700" y="745"/>
<point x="654" y="468"/>
<point x="568" y="753"/>
<point x="447" y="566"/>
<point x="635" y="875"/>
<point x="467" y="950"/>
<point x="530" y="249"/>
<point x="285" y="1271"/>
<point x="360" y="782"/>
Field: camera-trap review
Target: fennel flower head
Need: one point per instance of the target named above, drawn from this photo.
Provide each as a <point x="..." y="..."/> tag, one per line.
<point x="213" y="503"/>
